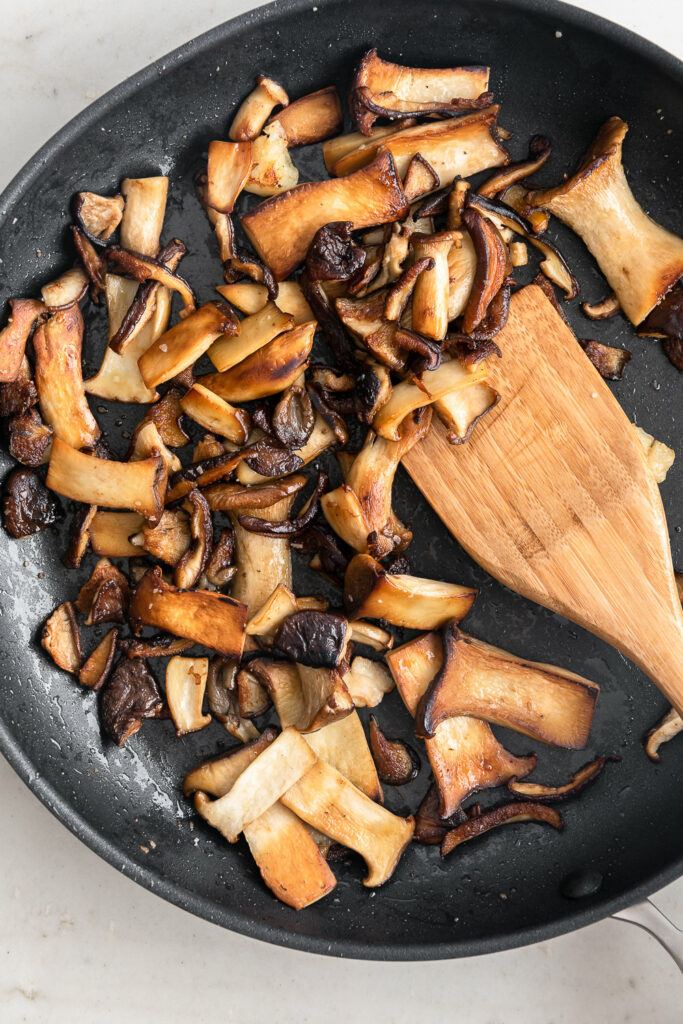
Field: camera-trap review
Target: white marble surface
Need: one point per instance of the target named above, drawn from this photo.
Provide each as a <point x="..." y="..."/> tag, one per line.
<point x="78" y="941"/>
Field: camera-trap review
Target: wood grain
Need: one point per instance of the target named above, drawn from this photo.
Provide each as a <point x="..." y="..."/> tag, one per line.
<point x="552" y="495"/>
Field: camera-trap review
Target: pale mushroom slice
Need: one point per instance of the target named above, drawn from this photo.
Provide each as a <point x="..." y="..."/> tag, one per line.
<point x="255" y="331"/>
<point x="282" y="228"/>
<point x="99" y="216"/>
<point x="257" y="108"/>
<point x="227" y="171"/>
<point x="343" y="745"/>
<point x="541" y="701"/>
<point x="218" y="775"/>
<point x="640" y="259"/>
<point x="185" y="686"/>
<point x="431" y="292"/>
<point x="409" y="601"/>
<point x="671" y="725"/>
<point x="263" y="562"/>
<point x="181" y="346"/>
<point x="110" y="532"/>
<point x="368" y="682"/>
<point x="326" y="698"/>
<point x="333" y="805"/>
<point x="383" y="89"/>
<point x="138" y="486"/>
<point x="272" y="170"/>
<point x="168" y="540"/>
<point x="264" y="781"/>
<point x="464" y="754"/>
<point x="143" y="213"/>
<point x="216" y="415"/>
<point x="203" y="616"/>
<point x="61" y="638"/>
<point x="250" y="297"/>
<point x="147" y="441"/>
<point x="282" y="602"/>
<point x="58" y="344"/>
<point x="66" y="290"/>
<point x="462" y="410"/>
<point x="660" y="458"/>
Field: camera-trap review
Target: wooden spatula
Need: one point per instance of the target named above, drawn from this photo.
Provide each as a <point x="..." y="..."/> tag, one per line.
<point x="553" y="496"/>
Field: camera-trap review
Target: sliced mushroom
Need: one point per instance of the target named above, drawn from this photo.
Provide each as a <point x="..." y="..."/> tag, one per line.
<point x="462" y="268"/>
<point x="282" y="228"/>
<point x="57" y="344"/>
<point x="253" y="699"/>
<point x="550" y="794"/>
<point x="370" y="635"/>
<point x="325" y="697"/>
<point x="603" y="310"/>
<point x="17" y="396"/>
<point x="149" y="302"/>
<point x="271" y="774"/>
<point x="373" y="389"/>
<point x="282" y="602"/>
<point x="79" y="536"/>
<point x="167" y="416"/>
<point x="169" y="540"/>
<point x="262" y="562"/>
<point x="146" y="441"/>
<point x="193" y="562"/>
<point x="61" y="638"/>
<point x="105" y="596"/>
<point x="420" y="179"/>
<point x="144" y="268"/>
<point x="268" y="371"/>
<point x="119" y="378"/>
<point x="608" y="361"/>
<point x="547" y="703"/>
<point x="340" y="146"/>
<point x="185" y="686"/>
<point x="130" y="696"/>
<point x="98" y="216"/>
<point x="368" y="681"/>
<point x="250" y="297"/>
<point x="640" y="259"/>
<point x="333" y="255"/>
<point x="138" y="486"/>
<point x="66" y="290"/>
<point x="312" y="637"/>
<point x="397" y="763"/>
<point x="29" y="438"/>
<point x="143" y="213"/>
<point x="219" y="569"/>
<point x="322" y="437"/>
<point x="94" y="672"/>
<point x="431" y="292"/>
<point x="517" y="198"/>
<point x="433" y="385"/>
<point x="659" y="457"/>
<point x="211" y="412"/>
<point x="254" y="332"/>
<point x="257" y="108"/>
<point x="493" y="266"/>
<point x="183" y="344"/>
<point x="160" y="646"/>
<point x="329" y="802"/>
<point x="458" y="147"/>
<point x="27" y="505"/>
<point x="462" y="410"/>
<point x="312" y="118"/>
<point x="383" y="89"/>
<point x="519" y="254"/>
<point x="342" y="744"/>
<point x="109" y="533"/>
<point x="203" y="616"/>
<point x="539" y="153"/>
<point x="218" y="775"/>
<point x="505" y="815"/>
<point x="228" y="497"/>
<point x="205" y="471"/>
<point x="272" y="170"/>
<point x="14" y="336"/>
<point x="464" y="754"/>
<point x="430" y="827"/>
<point x="671" y="725"/>
<point x="228" y="167"/>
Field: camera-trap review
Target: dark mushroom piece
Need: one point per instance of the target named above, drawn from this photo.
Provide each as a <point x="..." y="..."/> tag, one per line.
<point x="493" y="266"/>
<point x="145" y="301"/>
<point x="150" y="268"/>
<point x="13" y="338"/>
<point x="333" y="255"/>
<point x="130" y="696"/>
<point x="506" y="815"/>
<point x="192" y="564"/>
<point x="430" y="827"/>
<point x="314" y="638"/>
<point x="18" y="395"/>
<point x="29" y="438"/>
<point x="219" y="569"/>
<point x="608" y="361"/>
<point x="550" y="794"/>
<point x="105" y="596"/>
<point x="162" y="645"/>
<point x="204" y="472"/>
<point x="539" y="153"/>
<point x="326" y="554"/>
<point x="79" y="536"/>
<point x="602" y="310"/>
<point x="397" y="763"/>
<point x="293" y="418"/>
<point x="288" y="527"/>
<point x="28" y="507"/>
<point x="94" y="672"/>
<point x="167" y="415"/>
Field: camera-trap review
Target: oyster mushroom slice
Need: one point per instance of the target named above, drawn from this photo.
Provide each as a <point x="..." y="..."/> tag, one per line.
<point x="14" y="336"/>
<point x="257" y="108"/>
<point x="431" y="292"/>
<point x="549" y="794"/>
<point x="640" y="259"/>
<point x="59" y="380"/>
<point x="263" y="562"/>
<point x="255" y="331"/>
<point x="407" y="396"/>
<point x="185" y="686"/>
<point x="671" y="725"/>
<point x="312" y="118"/>
<point x="182" y="345"/>
<point x="228" y="168"/>
<point x="508" y="814"/>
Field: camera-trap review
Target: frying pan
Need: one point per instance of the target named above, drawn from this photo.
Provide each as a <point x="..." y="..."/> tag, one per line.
<point x="559" y="71"/>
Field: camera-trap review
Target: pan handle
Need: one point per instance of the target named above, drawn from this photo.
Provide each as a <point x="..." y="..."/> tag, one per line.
<point x="646" y="915"/>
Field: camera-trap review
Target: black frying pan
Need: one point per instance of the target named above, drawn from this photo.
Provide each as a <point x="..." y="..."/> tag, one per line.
<point x="624" y="836"/>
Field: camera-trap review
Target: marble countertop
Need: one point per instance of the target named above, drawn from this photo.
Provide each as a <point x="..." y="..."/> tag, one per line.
<point x="80" y="941"/>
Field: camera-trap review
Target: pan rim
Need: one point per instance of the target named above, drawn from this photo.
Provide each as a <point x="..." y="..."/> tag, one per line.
<point x="225" y="916"/>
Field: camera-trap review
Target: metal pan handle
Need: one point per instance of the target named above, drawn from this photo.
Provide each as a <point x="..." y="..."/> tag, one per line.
<point x="646" y="915"/>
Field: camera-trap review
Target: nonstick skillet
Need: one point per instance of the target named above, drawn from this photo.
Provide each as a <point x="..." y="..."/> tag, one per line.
<point x="556" y="70"/>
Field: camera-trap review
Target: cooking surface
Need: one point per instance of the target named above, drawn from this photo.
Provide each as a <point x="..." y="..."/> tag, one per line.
<point x="141" y="782"/>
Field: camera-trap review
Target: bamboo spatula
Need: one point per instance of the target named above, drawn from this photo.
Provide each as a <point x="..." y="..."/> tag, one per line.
<point x="552" y="495"/>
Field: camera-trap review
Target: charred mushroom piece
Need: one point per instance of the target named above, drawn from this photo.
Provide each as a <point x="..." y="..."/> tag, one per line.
<point x="282" y="228"/>
<point x="27" y="506"/>
<point x="462" y="410"/>
<point x="254" y="332"/>
<point x="109" y="533"/>
<point x="493" y="266"/>
<point x="79" y="536"/>
<point x="130" y="696"/>
<point x="229" y="497"/>
<point x="205" y="471"/>
<point x="373" y="389"/>
<point x="61" y="638"/>
<point x="288" y="527"/>
<point x="430" y="296"/>
<point x="640" y="259"/>
<point x="183" y="344"/>
<point x="219" y="569"/>
<point x="92" y="263"/>
<point x="169" y="540"/>
<point x="253" y="699"/>
<point x="293" y="417"/>
<point x="608" y="361"/>
<point x="57" y="344"/>
<point x="671" y="725"/>
<point x="192" y="564"/>
<point x="18" y="395"/>
<point x="399" y="294"/>
<point x="368" y="681"/>
<point x="272" y="170"/>
<point x="105" y="597"/>
<point x="430" y="827"/>
<point x="312" y="118"/>
<point x="29" y="438"/>
<point x="160" y="646"/>
<point x="203" y="616"/>
<point x="333" y="255"/>
<point x="167" y="415"/>
<point x="330" y="803"/>
<point x="13" y="338"/>
<point x="328" y="558"/>
<point x="95" y="670"/>
<point x="278" y="767"/>
<point x="505" y="815"/>
<point x="458" y="147"/>
<point x="185" y="686"/>
<point x="313" y="638"/>
<point x="98" y="216"/>
<point x="383" y="89"/>
<point x="541" y="701"/>
<point x="257" y="108"/>
<point x="322" y="438"/>
<point x="603" y="310"/>
<point x="550" y="794"/>
<point x="410" y="601"/>
<point x="464" y="754"/>
<point x="149" y="268"/>
<point x="397" y="763"/>
<point x="420" y="179"/>
<point x="539" y="153"/>
<point x="139" y="486"/>
<point x="228" y="167"/>
<point x="148" y="303"/>
<point x="268" y="371"/>
<point x="429" y="387"/>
